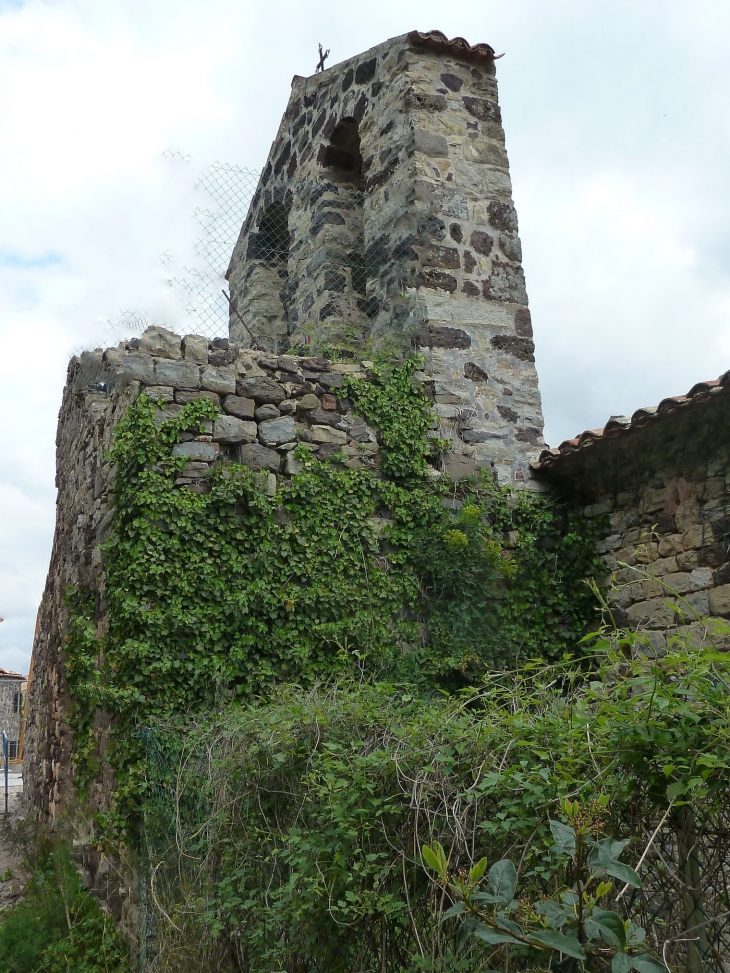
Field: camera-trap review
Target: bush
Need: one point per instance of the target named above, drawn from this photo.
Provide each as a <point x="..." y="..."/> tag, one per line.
<point x="58" y="926"/>
<point x="302" y="819"/>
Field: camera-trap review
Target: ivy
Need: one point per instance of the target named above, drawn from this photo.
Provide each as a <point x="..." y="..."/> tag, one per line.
<point x="226" y="594"/>
<point x="397" y="406"/>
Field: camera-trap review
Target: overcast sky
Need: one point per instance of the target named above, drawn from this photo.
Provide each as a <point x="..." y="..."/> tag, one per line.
<point x="617" y="115"/>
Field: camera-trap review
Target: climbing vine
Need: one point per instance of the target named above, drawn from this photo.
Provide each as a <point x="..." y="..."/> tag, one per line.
<point x="222" y="595"/>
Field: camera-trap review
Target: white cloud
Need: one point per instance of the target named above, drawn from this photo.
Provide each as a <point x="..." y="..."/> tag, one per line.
<point x="618" y="129"/>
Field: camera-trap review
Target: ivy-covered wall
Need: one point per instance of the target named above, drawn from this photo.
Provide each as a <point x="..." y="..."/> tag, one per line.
<point x="184" y="576"/>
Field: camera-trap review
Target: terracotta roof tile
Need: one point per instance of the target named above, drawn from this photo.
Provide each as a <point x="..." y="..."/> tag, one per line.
<point x="7" y="674"/>
<point x="457" y="45"/>
<point x="618" y="426"/>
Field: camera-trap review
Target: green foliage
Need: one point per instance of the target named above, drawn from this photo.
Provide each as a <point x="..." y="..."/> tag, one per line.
<point x="225" y="594"/>
<point x="398" y="407"/>
<point x="573" y="920"/>
<point x="303" y="818"/>
<point x="58" y="926"/>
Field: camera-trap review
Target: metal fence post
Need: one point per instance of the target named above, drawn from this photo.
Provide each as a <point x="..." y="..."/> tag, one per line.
<point x="5" y="758"/>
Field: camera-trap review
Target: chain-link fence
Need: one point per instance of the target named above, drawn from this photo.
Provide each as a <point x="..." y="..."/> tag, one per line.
<point x="201" y="284"/>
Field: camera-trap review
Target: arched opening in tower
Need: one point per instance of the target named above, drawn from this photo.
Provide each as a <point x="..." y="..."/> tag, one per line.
<point x="337" y="279"/>
<point x="272" y="240"/>
<point x="342" y="157"/>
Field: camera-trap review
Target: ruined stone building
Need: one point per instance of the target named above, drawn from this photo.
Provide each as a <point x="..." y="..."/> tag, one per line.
<point x="383" y="220"/>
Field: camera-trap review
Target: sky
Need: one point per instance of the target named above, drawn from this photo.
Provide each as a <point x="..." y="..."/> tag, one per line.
<point x="617" y="117"/>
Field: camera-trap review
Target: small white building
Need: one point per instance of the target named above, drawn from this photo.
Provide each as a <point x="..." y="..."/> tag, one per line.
<point x="12" y="701"/>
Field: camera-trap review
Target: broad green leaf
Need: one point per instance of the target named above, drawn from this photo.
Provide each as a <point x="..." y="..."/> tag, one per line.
<point x="552" y="939"/>
<point x="624" y="873"/>
<point x="491" y="936"/>
<point x="477" y="871"/>
<point x="502" y="880"/>
<point x="486" y="897"/>
<point x="440" y="854"/>
<point x="646" y="964"/>
<point x="635" y="935"/>
<point x="432" y="861"/>
<point x="614" y="924"/>
<point x="621" y="963"/>
<point x="676" y="790"/>
<point x="455" y="910"/>
<point x="507" y="924"/>
<point x="608" y="848"/>
<point x="564" y="837"/>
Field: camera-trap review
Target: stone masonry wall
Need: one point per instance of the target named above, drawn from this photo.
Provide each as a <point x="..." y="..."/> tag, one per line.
<point x="665" y="490"/>
<point x="391" y="173"/>
<point x="269" y="403"/>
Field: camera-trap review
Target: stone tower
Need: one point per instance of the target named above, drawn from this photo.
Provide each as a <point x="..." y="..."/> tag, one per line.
<point x="384" y="218"/>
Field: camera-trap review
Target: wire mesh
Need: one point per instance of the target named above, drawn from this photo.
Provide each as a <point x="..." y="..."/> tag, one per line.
<point x="201" y="285"/>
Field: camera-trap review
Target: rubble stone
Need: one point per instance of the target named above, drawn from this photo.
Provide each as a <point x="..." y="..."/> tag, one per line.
<point x="281" y="430"/>
<point x="221" y="380"/>
<point x="231" y="429"/>
<point x="178" y="374"/>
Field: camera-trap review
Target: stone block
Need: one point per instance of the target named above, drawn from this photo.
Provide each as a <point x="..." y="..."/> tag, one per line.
<point x="719" y="601"/>
<point x="196" y="452"/>
<point x="281" y="430"/>
<point x="160" y="393"/>
<point x="220" y="380"/>
<point x="665" y="565"/>
<point x="194" y="469"/>
<point x="326" y="434"/>
<point x="650" y="588"/>
<point x="596" y="509"/>
<point x="332" y="381"/>
<point x="266" y="482"/>
<point x="267" y="411"/>
<point x="458" y="466"/>
<point x="688" y="560"/>
<point x="646" y="553"/>
<point x="231" y="429"/>
<point x="699" y="602"/>
<point x="135" y="367"/>
<point x="430" y="144"/>
<point x="308" y="402"/>
<point x="678" y="582"/>
<point x="292" y="465"/>
<point x="259" y="457"/>
<point x="261" y="390"/>
<point x="239" y="407"/>
<point x="170" y="411"/>
<point x="183" y="396"/>
<point x="195" y="349"/>
<point x="655" y="613"/>
<point x="320" y="417"/>
<point x="700" y="578"/>
<point x="693" y="537"/>
<point x="179" y="374"/>
<point x="328" y="450"/>
<point x="160" y="343"/>
<point x="360" y="432"/>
